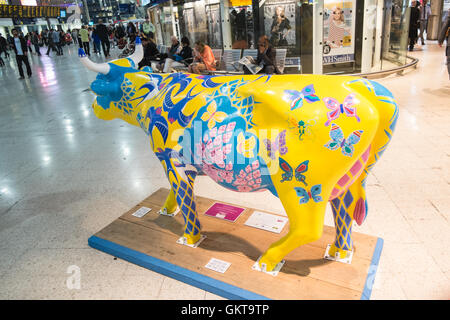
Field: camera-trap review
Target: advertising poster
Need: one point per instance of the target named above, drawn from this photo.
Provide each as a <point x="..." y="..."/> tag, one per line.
<point x="279" y="22"/>
<point x="338" y="31"/>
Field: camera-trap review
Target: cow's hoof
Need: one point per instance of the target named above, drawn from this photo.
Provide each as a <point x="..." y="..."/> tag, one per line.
<point x="164" y="212"/>
<point x="336" y="254"/>
<point x="265" y="265"/>
<point x="191" y="240"/>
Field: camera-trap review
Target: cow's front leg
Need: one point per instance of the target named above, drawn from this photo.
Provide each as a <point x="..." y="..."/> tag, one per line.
<point x="183" y="188"/>
<point x="306" y="225"/>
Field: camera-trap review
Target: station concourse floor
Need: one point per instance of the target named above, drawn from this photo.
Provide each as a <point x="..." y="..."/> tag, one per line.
<point x="64" y="175"/>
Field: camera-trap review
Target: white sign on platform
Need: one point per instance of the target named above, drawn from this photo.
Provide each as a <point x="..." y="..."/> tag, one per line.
<point x="218" y="265"/>
<point x="266" y="221"/>
<point x="141" y="212"/>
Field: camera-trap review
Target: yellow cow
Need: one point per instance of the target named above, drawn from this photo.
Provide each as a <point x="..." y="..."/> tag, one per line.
<point x="308" y="139"/>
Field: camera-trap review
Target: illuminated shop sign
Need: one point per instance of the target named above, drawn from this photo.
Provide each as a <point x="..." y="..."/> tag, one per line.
<point x="28" y="3"/>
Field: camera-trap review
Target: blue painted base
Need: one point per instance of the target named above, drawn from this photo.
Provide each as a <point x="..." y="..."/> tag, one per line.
<point x="168" y="269"/>
<point x="204" y="282"/>
<point x="372" y="270"/>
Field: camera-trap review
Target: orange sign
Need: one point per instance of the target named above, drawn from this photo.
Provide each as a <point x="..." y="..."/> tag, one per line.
<point x="238" y="3"/>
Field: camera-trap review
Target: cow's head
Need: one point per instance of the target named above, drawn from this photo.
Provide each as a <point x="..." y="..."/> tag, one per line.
<point x="120" y="87"/>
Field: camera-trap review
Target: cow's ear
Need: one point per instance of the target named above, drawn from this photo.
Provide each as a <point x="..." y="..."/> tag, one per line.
<point x="124" y="62"/>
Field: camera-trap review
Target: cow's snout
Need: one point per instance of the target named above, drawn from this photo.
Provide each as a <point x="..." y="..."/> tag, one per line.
<point x="107" y="88"/>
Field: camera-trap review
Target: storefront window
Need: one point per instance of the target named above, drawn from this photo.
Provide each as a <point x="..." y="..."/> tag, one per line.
<point x="313" y="36"/>
<point x="395" y="32"/>
<point x="214" y="25"/>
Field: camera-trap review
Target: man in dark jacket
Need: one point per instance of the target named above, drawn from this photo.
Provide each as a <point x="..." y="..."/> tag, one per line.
<point x="151" y="53"/>
<point x="444" y="34"/>
<point x="102" y="33"/>
<point x="19" y="46"/>
<point x="413" y="24"/>
<point x="266" y="57"/>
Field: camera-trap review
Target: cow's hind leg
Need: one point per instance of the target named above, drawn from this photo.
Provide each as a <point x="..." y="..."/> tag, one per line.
<point x="343" y="244"/>
<point x="388" y="113"/>
<point x="306" y="225"/>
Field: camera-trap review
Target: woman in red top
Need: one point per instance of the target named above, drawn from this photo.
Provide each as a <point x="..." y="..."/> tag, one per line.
<point x="204" y="59"/>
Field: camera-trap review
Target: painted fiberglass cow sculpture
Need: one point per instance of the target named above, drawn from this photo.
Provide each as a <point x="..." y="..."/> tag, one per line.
<point x="308" y="139"/>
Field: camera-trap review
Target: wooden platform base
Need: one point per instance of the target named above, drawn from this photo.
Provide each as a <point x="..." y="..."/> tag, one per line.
<point x="151" y="242"/>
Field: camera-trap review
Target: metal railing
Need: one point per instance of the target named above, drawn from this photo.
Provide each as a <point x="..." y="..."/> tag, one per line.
<point x="386" y="72"/>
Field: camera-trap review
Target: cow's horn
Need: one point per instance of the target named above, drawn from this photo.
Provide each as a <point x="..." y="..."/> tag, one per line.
<point x="96" y="67"/>
<point x="138" y="53"/>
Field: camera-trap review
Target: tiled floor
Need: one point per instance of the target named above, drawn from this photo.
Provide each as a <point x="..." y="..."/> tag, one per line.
<point x="64" y="175"/>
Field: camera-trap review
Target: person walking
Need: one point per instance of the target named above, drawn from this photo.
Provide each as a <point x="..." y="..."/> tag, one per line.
<point x="97" y="41"/>
<point x="28" y="40"/>
<point x="102" y="33"/>
<point x="75" y="38"/>
<point x="413" y="24"/>
<point x="44" y="35"/>
<point x="51" y="44"/>
<point x="425" y="12"/>
<point x="444" y="34"/>
<point x="35" y="42"/>
<point x="84" y="35"/>
<point x="19" y="46"/>
<point x="58" y="40"/>
<point x="3" y="46"/>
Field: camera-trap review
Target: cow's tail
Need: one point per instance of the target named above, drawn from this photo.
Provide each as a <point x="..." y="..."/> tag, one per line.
<point x="354" y="198"/>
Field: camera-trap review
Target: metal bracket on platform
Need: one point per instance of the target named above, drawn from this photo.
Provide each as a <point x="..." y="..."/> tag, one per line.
<point x="275" y="270"/>
<point x="163" y="212"/>
<point x="183" y="241"/>
<point x="336" y="257"/>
